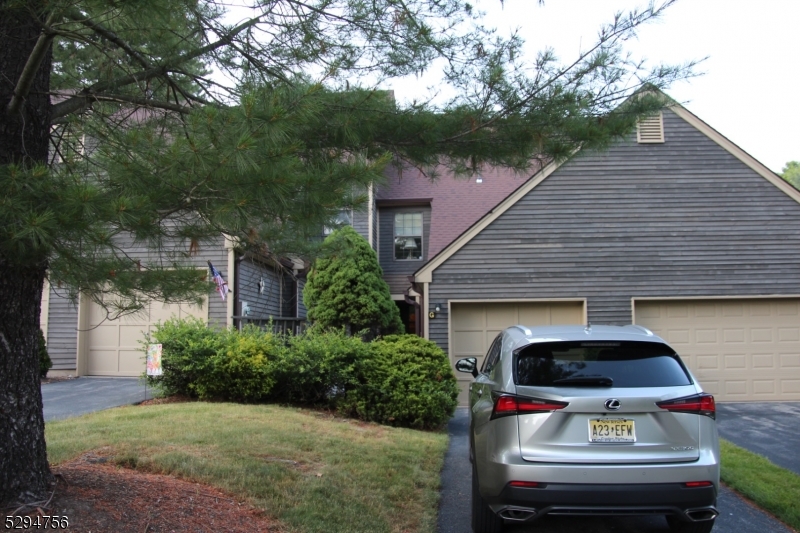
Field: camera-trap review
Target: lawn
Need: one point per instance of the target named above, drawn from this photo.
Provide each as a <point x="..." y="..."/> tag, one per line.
<point x="771" y="487"/>
<point x="309" y="470"/>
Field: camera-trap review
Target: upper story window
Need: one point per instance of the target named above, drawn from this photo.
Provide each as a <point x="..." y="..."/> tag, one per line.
<point x="408" y="236"/>
<point x="344" y="218"/>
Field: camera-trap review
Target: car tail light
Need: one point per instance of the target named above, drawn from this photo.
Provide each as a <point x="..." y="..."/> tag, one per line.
<point x="695" y="484"/>
<point x="524" y="484"/>
<point x="701" y="404"/>
<point x="508" y="405"/>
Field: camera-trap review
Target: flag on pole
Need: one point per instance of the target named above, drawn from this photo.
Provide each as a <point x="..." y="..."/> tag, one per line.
<point x="222" y="285"/>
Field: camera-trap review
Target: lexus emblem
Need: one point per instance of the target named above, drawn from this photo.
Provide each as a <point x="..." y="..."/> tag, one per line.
<point x="612" y="404"/>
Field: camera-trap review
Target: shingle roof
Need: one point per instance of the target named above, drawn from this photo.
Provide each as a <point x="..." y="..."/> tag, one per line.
<point x="456" y="203"/>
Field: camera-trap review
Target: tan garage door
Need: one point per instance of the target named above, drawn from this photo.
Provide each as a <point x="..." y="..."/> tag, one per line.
<point x="473" y="326"/>
<point x="739" y="350"/>
<point x="113" y="347"/>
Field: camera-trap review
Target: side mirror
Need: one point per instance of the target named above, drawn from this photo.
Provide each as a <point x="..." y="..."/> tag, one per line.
<point x="468" y="365"/>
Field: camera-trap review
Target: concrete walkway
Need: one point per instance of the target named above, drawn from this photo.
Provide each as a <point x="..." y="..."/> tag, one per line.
<point x="736" y="515"/>
<point x="74" y="397"/>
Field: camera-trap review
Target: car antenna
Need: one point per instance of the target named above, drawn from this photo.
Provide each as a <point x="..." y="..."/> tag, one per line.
<point x="588" y="327"/>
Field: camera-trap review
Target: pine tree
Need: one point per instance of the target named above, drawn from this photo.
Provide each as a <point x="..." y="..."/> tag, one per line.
<point x="345" y="288"/>
<point x="115" y="130"/>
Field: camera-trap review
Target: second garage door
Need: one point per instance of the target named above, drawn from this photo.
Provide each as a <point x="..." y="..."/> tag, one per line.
<point x="474" y="325"/>
<point x="113" y="346"/>
<point x="739" y="350"/>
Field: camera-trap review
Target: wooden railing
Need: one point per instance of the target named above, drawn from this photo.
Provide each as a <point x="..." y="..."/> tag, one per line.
<point x="281" y="325"/>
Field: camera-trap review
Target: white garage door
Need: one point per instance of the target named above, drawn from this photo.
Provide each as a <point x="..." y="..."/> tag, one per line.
<point x="473" y="326"/>
<point x="113" y="347"/>
<point x="739" y="350"/>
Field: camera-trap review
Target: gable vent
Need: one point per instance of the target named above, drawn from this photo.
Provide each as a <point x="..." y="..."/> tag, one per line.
<point x="651" y="129"/>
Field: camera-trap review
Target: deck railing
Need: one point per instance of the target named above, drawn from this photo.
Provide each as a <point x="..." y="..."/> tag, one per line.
<point x="277" y="324"/>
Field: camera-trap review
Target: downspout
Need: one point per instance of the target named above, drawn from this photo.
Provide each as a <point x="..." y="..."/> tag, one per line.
<point x="370" y="211"/>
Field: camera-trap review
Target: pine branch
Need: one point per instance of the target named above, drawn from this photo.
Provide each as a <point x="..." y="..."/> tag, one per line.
<point x="83" y="99"/>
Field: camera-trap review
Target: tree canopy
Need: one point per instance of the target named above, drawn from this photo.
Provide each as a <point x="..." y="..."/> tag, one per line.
<point x="165" y="123"/>
<point x="791" y="173"/>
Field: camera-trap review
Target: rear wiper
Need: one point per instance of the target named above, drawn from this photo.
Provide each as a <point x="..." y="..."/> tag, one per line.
<point x="603" y="381"/>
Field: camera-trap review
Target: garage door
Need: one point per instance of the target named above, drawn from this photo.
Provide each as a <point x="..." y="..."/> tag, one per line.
<point x="473" y="326"/>
<point x="113" y="347"/>
<point x="739" y="350"/>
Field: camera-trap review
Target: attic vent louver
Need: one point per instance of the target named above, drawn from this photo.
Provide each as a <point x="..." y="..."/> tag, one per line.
<point x="651" y="129"/>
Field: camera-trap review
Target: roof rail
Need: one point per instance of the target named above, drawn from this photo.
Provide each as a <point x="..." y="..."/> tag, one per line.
<point x="643" y="329"/>
<point x="526" y="331"/>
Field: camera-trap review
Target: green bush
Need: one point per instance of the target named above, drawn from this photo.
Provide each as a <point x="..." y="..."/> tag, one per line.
<point x="346" y="289"/>
<point x="242" y="368"/>
<point x="45" y="364"/>
<point x="401" y="380"/>
<point x="406" y="381"/>
<point x="187" y="348"/>
<point x="319" y="367"/>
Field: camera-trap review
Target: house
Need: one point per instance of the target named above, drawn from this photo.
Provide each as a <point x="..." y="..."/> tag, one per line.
<point x="674" y="228"/>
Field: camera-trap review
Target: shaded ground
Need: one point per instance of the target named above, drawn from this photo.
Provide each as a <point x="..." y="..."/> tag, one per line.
<point x="98" y="497"/>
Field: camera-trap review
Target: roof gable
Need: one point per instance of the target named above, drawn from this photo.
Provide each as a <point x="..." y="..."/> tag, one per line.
<point x="425" y="274"/>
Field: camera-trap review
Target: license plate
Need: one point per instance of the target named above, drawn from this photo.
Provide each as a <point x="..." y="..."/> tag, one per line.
<point x="611" y="430"/>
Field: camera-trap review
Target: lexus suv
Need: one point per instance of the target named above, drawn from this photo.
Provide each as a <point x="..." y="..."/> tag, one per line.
<point x="594" y="420"/>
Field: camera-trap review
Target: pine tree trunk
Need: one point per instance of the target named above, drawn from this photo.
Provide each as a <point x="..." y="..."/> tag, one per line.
<point x="24" y="473"/>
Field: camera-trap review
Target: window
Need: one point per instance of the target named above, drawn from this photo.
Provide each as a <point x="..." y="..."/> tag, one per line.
<point x="344" y="218"/>
<point x="622" y="363"/>
<point x="493" y="355"/>
<point x="408" y="236"/>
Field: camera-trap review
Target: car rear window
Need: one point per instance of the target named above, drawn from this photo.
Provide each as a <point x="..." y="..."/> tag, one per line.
<point x="626" y="363"/>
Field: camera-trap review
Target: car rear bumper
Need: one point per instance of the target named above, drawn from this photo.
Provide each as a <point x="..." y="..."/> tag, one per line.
<point x="524" y="504"/>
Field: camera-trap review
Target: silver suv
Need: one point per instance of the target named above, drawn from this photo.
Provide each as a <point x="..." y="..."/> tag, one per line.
<point x="595" y="420"/>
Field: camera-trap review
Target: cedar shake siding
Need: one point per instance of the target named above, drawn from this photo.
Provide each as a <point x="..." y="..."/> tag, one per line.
<point x="680" y="219"/>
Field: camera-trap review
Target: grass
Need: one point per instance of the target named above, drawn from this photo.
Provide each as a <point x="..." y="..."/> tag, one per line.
<point x="312" y="472"/>
<point x="769" y="486"/>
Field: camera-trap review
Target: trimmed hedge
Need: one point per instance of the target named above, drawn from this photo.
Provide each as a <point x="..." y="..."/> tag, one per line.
<point x="200" y="362"/>
<point x="401" y="380"/>
<point x="406" y="381"/>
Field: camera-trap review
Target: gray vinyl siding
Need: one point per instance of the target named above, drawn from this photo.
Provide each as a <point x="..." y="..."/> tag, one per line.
<point x="396" y="271"/>
<point x="361" y="222"/>
<point x="62" y="332"/>
<point x="680" y="219"/>
<point x="266" y="303"/>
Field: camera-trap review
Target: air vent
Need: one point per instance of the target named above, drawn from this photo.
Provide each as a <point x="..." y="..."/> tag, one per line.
<point x="651" y="129"/>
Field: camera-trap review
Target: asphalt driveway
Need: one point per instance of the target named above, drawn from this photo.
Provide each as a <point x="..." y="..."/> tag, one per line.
<point x="768" y="429"/>
<point x="74" y="397"/>
<point x="736" y="515"/>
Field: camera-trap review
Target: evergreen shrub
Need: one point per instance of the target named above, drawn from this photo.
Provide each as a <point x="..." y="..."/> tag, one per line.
<point x="318" y="367"/>
<point x="242" y="368"/>
<point x="406" y="381"/>
<point x="187" y="347"/>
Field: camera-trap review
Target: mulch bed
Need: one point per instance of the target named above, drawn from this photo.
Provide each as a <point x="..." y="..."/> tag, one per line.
<point x="99" y="497"/>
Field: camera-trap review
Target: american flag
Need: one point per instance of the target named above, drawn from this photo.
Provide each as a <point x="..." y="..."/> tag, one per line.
<point x="222" y="285"/>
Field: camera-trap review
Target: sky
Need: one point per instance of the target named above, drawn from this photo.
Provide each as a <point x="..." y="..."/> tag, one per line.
<point x="748" y="91"/>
